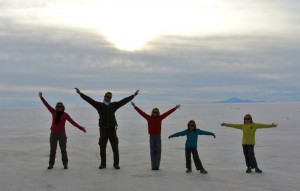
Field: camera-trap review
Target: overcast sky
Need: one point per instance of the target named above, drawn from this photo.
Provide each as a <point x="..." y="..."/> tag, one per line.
<point x="175" y="52"/>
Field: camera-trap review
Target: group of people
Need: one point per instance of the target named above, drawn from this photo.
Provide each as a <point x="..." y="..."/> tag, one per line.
<point x="108" y="131"/>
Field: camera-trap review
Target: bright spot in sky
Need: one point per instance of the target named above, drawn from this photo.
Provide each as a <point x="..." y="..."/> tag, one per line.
<point x="130" y="24"/>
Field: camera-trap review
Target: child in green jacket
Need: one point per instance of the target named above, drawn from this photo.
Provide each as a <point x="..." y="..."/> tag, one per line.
<point x="191" y="145"/>
<point x="249" y="129"/>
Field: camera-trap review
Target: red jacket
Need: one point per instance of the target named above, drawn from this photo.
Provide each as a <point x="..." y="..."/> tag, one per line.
<point x="154" y="123"/>
<point x="60" y="127"/>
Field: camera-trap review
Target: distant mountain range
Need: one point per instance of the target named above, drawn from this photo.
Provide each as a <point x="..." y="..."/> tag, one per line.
<point x="237" y="100"/>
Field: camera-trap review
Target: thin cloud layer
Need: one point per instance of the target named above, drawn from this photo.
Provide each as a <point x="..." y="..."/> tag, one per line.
<point x="171" y="68"/>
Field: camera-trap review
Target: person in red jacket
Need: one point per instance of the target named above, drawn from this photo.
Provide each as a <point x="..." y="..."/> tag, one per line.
<point x="154" y="129"/>
<point x="58" y="133"/>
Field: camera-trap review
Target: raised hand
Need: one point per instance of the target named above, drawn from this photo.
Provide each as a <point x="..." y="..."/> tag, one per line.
<point x="77" y="90"/>
<point x="136" y="93"/>
<point x="274" y="125"/>
<point x="177" y="106"/>
<point x="40" y="94"/>
<point x="133" y="104"/>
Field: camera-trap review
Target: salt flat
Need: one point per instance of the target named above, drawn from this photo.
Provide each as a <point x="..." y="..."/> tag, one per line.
<point x="24" y="140"/>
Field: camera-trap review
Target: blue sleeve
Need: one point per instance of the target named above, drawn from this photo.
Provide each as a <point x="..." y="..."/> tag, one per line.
<point x="182" y="133"/>
<point x="201" y="132"/>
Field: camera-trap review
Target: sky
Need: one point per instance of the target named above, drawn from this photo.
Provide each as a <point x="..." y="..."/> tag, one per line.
<point x="174" y="52"/>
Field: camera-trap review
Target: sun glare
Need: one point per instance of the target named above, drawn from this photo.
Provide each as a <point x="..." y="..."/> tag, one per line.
<point x="129" y="25"/>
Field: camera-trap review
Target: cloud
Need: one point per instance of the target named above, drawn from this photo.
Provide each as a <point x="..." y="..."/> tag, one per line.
<point x="169" y="69"/>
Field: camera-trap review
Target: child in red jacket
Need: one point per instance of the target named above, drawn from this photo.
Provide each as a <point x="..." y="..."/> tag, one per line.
<point x="154" y="129"/>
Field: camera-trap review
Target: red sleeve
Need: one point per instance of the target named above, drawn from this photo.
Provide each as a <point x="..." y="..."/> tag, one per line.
<point x="73" y="122"/>
<point x="143" y="114"/>
<point x="51" y="109"/>
<point x="166" y="114"/>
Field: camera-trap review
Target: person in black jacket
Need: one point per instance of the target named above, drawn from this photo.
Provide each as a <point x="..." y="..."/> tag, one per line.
<point x="107" y="123"/>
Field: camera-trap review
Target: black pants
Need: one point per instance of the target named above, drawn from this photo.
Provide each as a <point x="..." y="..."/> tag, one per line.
<point x="197" y="161"/>
<point x="111" y="135"/>
<point x="62" y="139"/>
<point x="249" y="156"/>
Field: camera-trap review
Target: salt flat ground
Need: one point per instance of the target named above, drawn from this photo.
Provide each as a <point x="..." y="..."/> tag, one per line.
<point x="24" y="151"/>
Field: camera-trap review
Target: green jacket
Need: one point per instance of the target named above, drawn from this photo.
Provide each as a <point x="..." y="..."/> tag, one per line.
<point x="248" y="131"/>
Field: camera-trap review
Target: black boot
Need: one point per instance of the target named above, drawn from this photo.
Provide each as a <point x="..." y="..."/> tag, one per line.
<point x="203" y="171"/>
<point x="117" y="166"/>
<point x="257" y="170"/>
<point x="102" y="166"/>
<point x="248" y="170"/>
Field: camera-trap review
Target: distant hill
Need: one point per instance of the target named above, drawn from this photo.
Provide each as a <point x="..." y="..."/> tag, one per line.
<point x="237" y="100"/>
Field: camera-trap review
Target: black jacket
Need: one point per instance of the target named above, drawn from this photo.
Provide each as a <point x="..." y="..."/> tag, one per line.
<point x="107" y="118"/>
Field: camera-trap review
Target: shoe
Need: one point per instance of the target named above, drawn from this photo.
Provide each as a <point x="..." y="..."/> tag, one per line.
<point x="117" y="167"/>
<point x="50" y="167"/>
<point x="102" y="166"/>
<point x="248" y="170"/>
<point x="188" y="171"/>
<point x="203" y="171"/>
<point x="257" y="170"/>
<point x="155" y="168"/>
<point x="65" y="167"/>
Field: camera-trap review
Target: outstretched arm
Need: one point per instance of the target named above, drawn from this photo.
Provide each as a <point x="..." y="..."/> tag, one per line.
<point x="142" y="113"/>
<point x="75" y="124"/>
<point x="87" y="98"/>
<point x="236" y="126"/>
<point x="51" y="109"/>
<point x="259" y="125"/>
<point x="201" y="132"/>
<point x="181" y="133"/>
<point x="126" y="100"/>
<point x="166" y="114"/>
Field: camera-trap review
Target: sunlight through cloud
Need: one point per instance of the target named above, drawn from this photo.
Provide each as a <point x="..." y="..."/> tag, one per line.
<point x="129" y="25"/>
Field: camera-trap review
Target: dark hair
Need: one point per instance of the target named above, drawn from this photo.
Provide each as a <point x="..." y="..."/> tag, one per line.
<point x="191" y="121"/>
<point x="59" y="113"/>
<point x="248" y="116"/>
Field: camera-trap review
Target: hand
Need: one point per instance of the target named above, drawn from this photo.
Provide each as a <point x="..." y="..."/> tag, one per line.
<point x="169" y="137"/>
<point x="177" y="106"/>
<point x="40" y="94"/>
<point x="136" y="93"/>
<point x="274" y="125"/>
<point x="222" y="124"/>
<point x="77" y="90"/>
<point x="214" y="136"/>
<point x="84" y="130"/>
<point x="133" y="104"/>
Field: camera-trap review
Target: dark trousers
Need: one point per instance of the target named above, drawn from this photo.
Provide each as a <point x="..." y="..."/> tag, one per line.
<point x="62" y="139"/>
<point x="249" y="156"/>
<point x="111" y="135"/>
<point x="155" y="150"/>
<point x="197" y="161"/>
